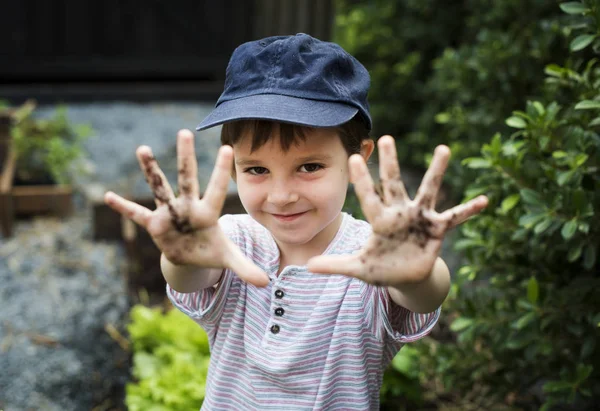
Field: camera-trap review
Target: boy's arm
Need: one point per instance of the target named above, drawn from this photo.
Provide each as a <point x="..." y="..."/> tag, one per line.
<point x="188" y="278"/>
<point x="425" y="296"/>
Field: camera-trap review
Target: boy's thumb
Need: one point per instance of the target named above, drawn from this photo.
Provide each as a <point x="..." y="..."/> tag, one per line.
<point x="246" y="269"/>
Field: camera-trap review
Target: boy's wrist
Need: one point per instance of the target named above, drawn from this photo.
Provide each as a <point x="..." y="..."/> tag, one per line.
<point x="424" y="296"/>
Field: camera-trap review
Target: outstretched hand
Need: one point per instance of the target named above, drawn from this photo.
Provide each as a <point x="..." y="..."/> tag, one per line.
<point x="407" y="234"/>
<point x="185" y="228"/>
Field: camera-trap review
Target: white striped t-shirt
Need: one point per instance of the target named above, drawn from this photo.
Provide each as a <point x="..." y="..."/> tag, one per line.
<point x="304" y="342"/>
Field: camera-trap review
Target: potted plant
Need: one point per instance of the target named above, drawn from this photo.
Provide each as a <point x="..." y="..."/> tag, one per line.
<point x="43" y="156"/>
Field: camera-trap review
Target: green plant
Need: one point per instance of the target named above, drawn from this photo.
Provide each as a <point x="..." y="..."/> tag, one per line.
<point x="47" y="149"/>
<point x="401" y="383"/>
<point x="525" y="308"/>
<point x="448" y="72"/>
<point x="170" y="361"/>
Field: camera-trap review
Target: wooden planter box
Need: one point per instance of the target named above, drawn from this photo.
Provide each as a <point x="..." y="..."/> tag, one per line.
<point x="26" y="200"/>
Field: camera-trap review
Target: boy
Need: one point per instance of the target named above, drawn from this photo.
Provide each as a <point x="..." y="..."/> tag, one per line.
<point x="304" y="305"/>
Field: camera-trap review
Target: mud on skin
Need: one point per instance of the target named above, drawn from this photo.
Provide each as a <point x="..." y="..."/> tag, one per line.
<point x="186" y="187"/>
<point x="181" y="224"/>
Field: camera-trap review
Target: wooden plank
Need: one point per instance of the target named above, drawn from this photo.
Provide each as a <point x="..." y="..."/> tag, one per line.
<point x="8" y="171"/>
<point x="57" y="200"/>
<point x="6" y="201"/>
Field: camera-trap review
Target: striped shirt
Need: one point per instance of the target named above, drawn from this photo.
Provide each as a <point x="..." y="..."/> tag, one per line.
<point x="304" y="342"/>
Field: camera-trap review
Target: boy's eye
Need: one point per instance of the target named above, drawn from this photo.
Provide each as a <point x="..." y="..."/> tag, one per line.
<point x="256" y="171"/>
<point x="310" y="168"/>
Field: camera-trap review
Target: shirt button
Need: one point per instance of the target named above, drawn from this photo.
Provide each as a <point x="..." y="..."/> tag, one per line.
<point x="279" y="311"/>
<point x="275" y="329"/>
<point x="279" y="294"/>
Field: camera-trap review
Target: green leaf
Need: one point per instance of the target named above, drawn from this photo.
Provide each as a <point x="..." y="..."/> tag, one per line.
<point x="476" y="162"/>
<point x="569" y="228"/>
<point x="584" y="227"/>
<point x="465" y="243"/>
<point x="529" y="220"/>
<point x="564" y="176"/>
<point x="539" y="107"/>
<point x="542" y="226"/>
<point x="557" y="386"/>
<point x="580" y="159"/>
<point x="461" y="324"/>
<point x="517" y="343"/>
<point x="516" y="122"/>
<point x="524" y="321"/>
<point x="574" y="253"/>
<point x="581" y="42"/>
<point x="531" y="197"/>
<point x="510" y="202"/>
<point x="554" y="70"/>
<point x="589" y="257"/>
<point x="595" y="122"/>
<point x="573" y="7"/>
<point x="587" y="105"/>
<point x="559" y="154"/>
<point x="533" y="290"/>
<point x="442" y="118"/>
<point x="583" y="372"/>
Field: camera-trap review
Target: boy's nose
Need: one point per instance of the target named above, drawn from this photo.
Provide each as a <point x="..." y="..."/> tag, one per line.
<point x="282" y="194"/>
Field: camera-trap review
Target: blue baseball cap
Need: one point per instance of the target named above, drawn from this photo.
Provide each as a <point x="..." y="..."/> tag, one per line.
<point x="292" y="79"/>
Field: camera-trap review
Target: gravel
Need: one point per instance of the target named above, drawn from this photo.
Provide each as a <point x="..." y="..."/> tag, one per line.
<point x="59" y="291"/>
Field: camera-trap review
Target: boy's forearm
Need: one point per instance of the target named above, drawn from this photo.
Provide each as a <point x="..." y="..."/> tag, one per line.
<point x="426" y="296"/>
<point x="187" y="278"/>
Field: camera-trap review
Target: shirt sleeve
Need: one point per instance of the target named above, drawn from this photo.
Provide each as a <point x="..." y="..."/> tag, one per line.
<point x="206" y="306"/>
<point x="388" y="320"/>
<point x="401" y="324"/>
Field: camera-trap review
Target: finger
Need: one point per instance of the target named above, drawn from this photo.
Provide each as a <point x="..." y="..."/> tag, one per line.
<point x="187" y="165"/>
<point x="458" y="214"/>
<point x="154" y="176"/>
<point x="349" y="265"/>
<point x="246" y="269"/>
<point x="428" y="190"/>
<point x="389" y="171"/>
<point x="139" y="214"/>
<point x="365" y="190"/>
<point x="216" y="191"/>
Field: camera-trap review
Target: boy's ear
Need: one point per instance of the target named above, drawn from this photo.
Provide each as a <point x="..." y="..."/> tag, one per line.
<point x="366" y="149"/>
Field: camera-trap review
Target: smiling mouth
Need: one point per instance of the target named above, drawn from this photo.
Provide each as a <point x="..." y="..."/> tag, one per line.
<point x="288" y="217"/>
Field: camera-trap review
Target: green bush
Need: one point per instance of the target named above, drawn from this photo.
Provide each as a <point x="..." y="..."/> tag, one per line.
<point x="170" y="361"/>
<point x="450" y="71"/>
<point x="525" y="308"/>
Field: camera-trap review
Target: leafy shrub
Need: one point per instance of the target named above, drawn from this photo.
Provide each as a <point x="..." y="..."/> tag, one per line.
<point x="396" y="41"/>
<point x="170" y="361"/>
<point x="450" y="71"/>
<point x="525" y="307"/>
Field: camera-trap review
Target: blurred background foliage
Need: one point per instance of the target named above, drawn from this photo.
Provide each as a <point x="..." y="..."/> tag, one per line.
<point x="513" y="87"/>
<point x="450" y="71"/>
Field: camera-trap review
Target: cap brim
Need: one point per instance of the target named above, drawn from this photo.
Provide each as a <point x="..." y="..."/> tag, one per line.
<point x="286" y="109"/>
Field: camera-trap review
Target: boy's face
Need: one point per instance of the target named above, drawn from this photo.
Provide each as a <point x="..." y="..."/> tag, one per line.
<point x="297" y="195"/>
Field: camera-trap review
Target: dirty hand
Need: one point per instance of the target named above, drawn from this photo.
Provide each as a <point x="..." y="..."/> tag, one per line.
<point x="407" y="234"/>
<point x="185" y="228"/>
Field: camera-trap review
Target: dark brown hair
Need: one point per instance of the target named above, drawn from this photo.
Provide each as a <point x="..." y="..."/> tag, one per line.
<point x="351" y="133"/>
